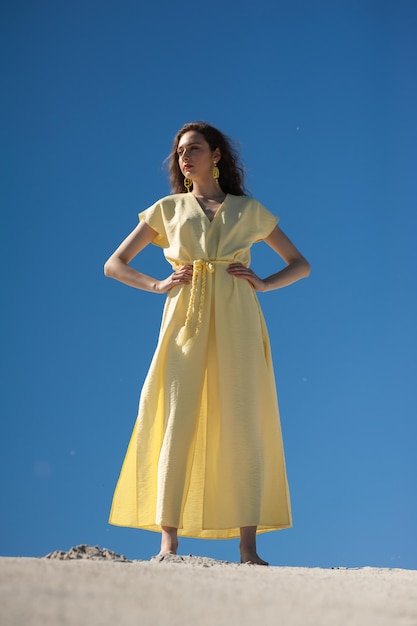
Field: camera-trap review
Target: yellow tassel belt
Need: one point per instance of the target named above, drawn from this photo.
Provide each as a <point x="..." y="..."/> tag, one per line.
<point x="195" y="307"/>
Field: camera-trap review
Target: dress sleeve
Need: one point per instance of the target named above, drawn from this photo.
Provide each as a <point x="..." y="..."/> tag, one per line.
<point x="265" y="222"/>
<point x="154" y="217"/>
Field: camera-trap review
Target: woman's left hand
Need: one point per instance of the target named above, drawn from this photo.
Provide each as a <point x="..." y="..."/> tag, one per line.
<point x="241" y="271"/>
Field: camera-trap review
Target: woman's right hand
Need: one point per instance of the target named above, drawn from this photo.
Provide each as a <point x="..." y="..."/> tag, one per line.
<point x="181" y="276"/>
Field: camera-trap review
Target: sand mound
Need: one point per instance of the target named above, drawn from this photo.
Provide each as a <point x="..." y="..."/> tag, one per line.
<point x="194" y="561"/>
<point x="83" y="551"/>
<point x="95" y="553"/>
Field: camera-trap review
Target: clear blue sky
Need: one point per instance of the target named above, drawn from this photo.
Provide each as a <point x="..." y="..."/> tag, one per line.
<point x="322" y="96"/>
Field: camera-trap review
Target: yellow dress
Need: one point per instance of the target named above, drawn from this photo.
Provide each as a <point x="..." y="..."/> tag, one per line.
<point x="206" y="451"/>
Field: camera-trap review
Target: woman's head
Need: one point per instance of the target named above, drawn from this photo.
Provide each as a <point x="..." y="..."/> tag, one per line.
<point x="231" y="172"/>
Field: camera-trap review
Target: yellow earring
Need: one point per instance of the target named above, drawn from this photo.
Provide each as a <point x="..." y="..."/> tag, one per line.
<point x="216" y="172"/>
<point x="188" y="183"/>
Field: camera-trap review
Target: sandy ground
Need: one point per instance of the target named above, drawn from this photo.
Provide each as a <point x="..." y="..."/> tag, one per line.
<point x="200" y="591"/>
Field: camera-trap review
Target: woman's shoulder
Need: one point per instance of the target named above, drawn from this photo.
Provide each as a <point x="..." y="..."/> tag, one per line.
<point x="171" y="200"/>
<point x="253" y="210"/>
<point x="244" y="201"/>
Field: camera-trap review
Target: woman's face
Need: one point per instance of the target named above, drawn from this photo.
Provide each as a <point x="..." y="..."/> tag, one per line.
<point x="195" y="157"/>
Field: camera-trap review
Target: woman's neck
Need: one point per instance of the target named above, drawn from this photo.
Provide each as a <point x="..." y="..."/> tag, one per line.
<point x="207" y="189"/>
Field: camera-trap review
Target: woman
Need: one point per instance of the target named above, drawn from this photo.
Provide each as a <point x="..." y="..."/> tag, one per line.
<point x="205" y="459"/>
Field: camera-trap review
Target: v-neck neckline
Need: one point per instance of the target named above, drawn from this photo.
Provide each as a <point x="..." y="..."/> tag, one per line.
<point x="203" y="212"/>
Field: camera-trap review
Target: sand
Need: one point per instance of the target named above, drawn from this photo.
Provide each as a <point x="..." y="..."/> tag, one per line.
<point x="104" y="590"/>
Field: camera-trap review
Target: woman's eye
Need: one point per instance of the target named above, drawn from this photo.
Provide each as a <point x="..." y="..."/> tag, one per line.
<point x="189" y="149"/>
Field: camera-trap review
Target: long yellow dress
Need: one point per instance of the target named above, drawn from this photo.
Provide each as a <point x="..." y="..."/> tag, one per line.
<point x="206" y="451"/>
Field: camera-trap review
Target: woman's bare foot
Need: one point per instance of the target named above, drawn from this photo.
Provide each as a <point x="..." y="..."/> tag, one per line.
<point x="248" y="554"/>
<point x="169" y="541"/>
<point x="252" y="559"/>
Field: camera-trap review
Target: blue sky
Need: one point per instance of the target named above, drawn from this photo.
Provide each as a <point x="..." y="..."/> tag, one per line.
<point x="322" y="98"/>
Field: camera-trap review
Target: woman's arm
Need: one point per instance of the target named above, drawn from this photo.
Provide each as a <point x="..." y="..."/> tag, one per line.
<point x="117" y="266"/>
<point x="297" y="266"/>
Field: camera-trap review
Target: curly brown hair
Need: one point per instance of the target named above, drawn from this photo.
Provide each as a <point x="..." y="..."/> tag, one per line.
<point x="231" y="171"/>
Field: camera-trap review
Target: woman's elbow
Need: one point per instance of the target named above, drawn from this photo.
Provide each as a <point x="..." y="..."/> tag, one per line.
<point x="303" y="267"/>
<point x="109" y="268"/>
<point x="306" y="268"/>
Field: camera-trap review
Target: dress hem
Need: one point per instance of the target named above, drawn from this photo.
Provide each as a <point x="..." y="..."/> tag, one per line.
<point x="226" y="533"/>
